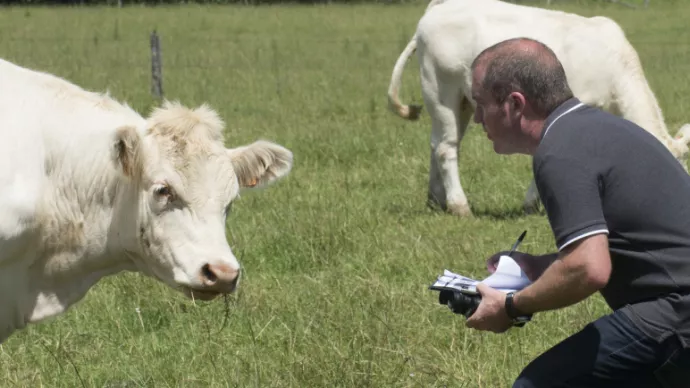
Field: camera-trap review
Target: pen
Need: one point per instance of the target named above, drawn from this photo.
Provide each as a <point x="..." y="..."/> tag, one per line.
<point x="519" y="240"/>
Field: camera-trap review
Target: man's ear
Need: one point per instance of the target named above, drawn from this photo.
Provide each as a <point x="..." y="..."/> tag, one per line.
<point x="260" y="163"/>
<point x="516" y="103"/>
<point x="126" y="152"/>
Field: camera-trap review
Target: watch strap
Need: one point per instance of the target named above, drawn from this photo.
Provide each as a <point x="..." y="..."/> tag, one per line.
<point x="518" y="318"/>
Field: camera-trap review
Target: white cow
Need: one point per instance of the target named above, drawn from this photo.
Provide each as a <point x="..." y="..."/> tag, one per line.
<point x="602" y="67"/>
<point x="89" y="188"/>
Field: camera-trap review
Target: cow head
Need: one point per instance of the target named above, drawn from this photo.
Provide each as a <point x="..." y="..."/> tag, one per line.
<point x="184" y="182"/>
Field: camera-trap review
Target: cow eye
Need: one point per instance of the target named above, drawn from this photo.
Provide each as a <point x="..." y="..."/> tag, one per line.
<point x="164" y="191"/>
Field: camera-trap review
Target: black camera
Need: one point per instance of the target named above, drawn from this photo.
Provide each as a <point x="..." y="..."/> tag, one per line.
<point x="460" y="303"/>
<point x="466" y="304"/>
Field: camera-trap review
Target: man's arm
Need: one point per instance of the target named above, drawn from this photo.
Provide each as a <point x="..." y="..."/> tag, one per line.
<point x="582" y="269"/>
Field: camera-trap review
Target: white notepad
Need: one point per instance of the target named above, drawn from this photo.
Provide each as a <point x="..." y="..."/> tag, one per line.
<point x="507" y="277"/>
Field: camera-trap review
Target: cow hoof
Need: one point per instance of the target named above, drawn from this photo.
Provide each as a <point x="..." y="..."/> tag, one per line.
<point x="460" y="210"/>
<point x="531" y="208"/>
<point x="453" y="209"/>
<point x="435" y="201"/>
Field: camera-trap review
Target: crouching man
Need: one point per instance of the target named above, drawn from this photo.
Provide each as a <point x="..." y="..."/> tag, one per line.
<point x="618" y="203"/>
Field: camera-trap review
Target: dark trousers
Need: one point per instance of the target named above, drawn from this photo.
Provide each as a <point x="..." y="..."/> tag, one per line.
<point x="611" y="352"/>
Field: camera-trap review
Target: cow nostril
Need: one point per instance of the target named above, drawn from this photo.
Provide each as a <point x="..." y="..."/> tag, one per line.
<point x="209" y="276"/>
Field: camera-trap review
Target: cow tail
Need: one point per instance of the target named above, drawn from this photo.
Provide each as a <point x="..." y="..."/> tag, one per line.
<point x="409" y="112"/>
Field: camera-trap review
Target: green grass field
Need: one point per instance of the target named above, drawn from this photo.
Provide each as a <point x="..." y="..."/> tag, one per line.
<point x="337" y="257"/>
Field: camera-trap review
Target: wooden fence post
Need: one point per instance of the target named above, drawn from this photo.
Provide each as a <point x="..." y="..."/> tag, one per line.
<point x="156" y="66"/>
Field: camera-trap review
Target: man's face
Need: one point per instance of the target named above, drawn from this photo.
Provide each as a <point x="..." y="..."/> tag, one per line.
<point x="496" y="117"/>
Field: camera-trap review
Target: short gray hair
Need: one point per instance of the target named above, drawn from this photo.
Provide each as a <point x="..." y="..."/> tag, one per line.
<point x="527" y="66"/>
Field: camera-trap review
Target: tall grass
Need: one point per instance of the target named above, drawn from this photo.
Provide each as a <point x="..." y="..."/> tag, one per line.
<point x="338" y="256"/>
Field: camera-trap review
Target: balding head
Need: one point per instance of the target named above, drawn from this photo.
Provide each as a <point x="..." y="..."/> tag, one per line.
<point x="523" y="65"/>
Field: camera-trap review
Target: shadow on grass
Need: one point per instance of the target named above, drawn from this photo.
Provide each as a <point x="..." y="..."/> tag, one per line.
<point x="502" y="214"/>
<point x="493" y="213"/>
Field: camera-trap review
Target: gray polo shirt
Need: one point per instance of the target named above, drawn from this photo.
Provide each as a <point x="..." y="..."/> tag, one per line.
<point x="598" y="173"/>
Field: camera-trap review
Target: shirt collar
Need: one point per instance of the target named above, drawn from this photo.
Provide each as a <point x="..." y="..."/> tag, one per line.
<point x="566" y="107"/>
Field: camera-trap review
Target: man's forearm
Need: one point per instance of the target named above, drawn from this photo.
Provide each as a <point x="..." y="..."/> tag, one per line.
<point x="541" y="263"/>
<point x="560" y="285"/>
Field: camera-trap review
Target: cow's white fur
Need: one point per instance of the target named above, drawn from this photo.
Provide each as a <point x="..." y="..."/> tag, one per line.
<point x="79" y="174"/>
<point x="602" y="67"/>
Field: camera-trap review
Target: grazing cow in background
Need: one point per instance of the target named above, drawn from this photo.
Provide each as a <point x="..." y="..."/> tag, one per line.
<point x="602" y="67"/>
<point x="89" y="188"/>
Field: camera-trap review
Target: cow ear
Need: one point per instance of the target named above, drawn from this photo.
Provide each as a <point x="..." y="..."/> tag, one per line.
<point x="260" y="163"/>
<point x="127" y="152"/>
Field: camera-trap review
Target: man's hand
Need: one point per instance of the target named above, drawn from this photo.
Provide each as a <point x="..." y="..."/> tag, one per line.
<point x="491" y="314"/>
<point x="532" y="266"/>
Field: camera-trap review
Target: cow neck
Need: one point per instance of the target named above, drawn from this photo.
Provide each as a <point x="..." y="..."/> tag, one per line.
<point x="81" y="243"/>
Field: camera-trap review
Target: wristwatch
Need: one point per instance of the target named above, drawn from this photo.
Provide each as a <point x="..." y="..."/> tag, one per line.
<point x="519" y="319"/>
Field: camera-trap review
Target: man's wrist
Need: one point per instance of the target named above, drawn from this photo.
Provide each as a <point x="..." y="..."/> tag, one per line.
<point x="511" y="307"/>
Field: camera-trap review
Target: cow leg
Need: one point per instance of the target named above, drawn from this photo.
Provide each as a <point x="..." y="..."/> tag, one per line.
<point x="449" y="115"/>
<point x="531" y="203"/>
<point x="436" y="194"/>
<point x="463" y="116"/>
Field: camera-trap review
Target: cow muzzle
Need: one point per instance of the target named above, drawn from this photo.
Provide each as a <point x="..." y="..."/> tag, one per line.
<point x="215" y="279"/>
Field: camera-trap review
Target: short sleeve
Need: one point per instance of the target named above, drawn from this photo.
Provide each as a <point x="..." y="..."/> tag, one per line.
<point x="569" y="191"/>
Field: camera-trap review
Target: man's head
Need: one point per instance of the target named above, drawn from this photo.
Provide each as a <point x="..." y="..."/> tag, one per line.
<point x="516" y="84"/>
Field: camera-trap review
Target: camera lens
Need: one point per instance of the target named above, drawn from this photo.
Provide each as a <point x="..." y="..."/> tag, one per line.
<point x="459" y="303"/>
